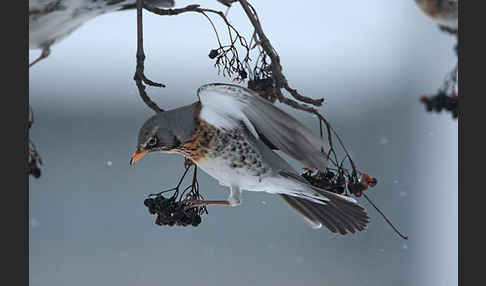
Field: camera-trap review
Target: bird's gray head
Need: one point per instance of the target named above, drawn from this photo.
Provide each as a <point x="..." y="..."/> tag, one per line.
<point x="165" y="131"/>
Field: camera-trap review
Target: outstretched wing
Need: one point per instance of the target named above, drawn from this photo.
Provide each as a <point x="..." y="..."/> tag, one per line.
<point x="228" y="106"/>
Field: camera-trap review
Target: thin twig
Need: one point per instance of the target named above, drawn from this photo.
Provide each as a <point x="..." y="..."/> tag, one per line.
<point x="139" y="76"/>
<point x="388" y="221"/>
<point x="46" y="51"/>
<point x="227" y="57"/>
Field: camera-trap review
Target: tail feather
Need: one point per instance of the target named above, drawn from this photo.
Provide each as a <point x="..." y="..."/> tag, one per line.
<point x="338" y="213"/>
<point x="333" y="217"/>
<point x="352" y="209"/>
<point x="306" y="214"/>
<point x="347" y="222"/>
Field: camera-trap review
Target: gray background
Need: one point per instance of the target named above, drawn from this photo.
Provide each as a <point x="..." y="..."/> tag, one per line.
<point x="370" y="60"/>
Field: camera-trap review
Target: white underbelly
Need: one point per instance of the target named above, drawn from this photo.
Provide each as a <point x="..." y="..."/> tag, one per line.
<point x="243" y="177"/>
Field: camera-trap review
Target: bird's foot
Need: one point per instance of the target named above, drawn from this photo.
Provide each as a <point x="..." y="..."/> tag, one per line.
<point x="45" y="53"/>
<point x="233" y="202"/>
<point x="188" y="163"/>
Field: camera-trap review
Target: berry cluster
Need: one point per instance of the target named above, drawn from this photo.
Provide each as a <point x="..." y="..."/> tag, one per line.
<point x="172" y="212"/>
<point x="33" y="167"/>
<point x="336" y="182"/>
<point x="358" y="188"/>
<point x="327" y="180"/>
<point x="446" y="98"/>
<point x="34" y="158"/>
<point x="34" y="161"/>
<point x="213" y="53"/>
<point x="441" y="101"/>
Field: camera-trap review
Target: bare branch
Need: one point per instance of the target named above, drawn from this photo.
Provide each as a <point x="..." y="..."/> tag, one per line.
<point x="276" y="67"/>
<point x="139" y="76"/>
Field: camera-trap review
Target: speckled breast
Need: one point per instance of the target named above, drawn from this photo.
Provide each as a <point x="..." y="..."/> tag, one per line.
<point x="227" y="155"/>
<point x="198" y="146"/>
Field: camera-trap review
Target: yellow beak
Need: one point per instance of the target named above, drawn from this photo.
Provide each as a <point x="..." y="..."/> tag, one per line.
<point x="136" y="156"/>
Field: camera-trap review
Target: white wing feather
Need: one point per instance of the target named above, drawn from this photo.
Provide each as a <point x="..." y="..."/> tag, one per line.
<point x="227" y="106"/>
<point x="223" y="111"/>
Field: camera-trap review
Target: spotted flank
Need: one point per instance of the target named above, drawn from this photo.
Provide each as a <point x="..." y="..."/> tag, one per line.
<point x="233" y="159"/>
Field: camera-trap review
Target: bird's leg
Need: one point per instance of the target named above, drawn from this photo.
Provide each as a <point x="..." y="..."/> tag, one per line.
<point x="45" y="53"/>
<point x="200" y="203"/>
<point x="233" y="200"/>
<point x="234" y="197"/>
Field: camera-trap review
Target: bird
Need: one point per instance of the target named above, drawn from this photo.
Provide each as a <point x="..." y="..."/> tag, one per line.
<point x="443" y="12"/>
<point x="230" y="133"/>
<point x="51" y="21"/>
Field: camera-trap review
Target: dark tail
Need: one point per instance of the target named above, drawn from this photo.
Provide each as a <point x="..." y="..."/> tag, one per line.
<point x="337" y="214"/>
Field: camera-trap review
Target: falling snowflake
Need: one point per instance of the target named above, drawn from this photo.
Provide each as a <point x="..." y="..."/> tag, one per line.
<point x="109" y="163"/>
<point x="384" y="141"/>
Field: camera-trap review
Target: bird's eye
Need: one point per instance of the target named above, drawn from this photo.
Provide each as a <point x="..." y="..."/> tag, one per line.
<point x="152" y="142"/>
